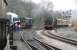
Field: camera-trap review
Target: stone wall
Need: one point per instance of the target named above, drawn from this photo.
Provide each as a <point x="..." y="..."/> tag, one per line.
<point x="2" y="9"/>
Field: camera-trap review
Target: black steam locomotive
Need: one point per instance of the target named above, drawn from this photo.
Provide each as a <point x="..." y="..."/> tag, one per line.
<point x="50" y="23"/>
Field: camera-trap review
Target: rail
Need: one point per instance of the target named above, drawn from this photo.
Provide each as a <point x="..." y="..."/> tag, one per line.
<point x="49" y="47"/>
<point x="69" y="41"/>
<point x="46" y="46"/>
<point x="26" y="43"/>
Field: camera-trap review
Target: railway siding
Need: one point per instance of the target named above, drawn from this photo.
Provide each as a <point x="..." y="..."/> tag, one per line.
<point x="54" y="42"/>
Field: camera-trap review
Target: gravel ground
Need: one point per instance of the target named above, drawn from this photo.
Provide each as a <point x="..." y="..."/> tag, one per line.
<point x="29" y="34"/>
<point x="66" y="33"/>
<point x="20" y="45"/>
<point x="59" y="44"/>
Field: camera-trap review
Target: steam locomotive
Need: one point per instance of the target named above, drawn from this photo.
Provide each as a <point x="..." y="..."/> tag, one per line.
<point x="50" y="23"/>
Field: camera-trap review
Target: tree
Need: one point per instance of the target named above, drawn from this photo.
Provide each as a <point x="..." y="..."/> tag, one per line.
<point x="29" y="9"/>
<point x="21" y="8"/>
<point x="48" y="5"/>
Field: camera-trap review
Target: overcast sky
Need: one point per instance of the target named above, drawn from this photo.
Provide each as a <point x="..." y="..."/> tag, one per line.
<point x="61" y="4"/>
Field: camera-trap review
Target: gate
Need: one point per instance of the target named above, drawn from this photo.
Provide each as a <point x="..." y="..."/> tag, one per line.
<point x="4" y="28"/>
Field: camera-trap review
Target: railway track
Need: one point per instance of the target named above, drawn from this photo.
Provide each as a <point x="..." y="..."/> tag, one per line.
<point x="26" y="43"/>
<point x="69" y="41"/>
<point x="47" y="46"/>
<point x="33" y="47"/>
